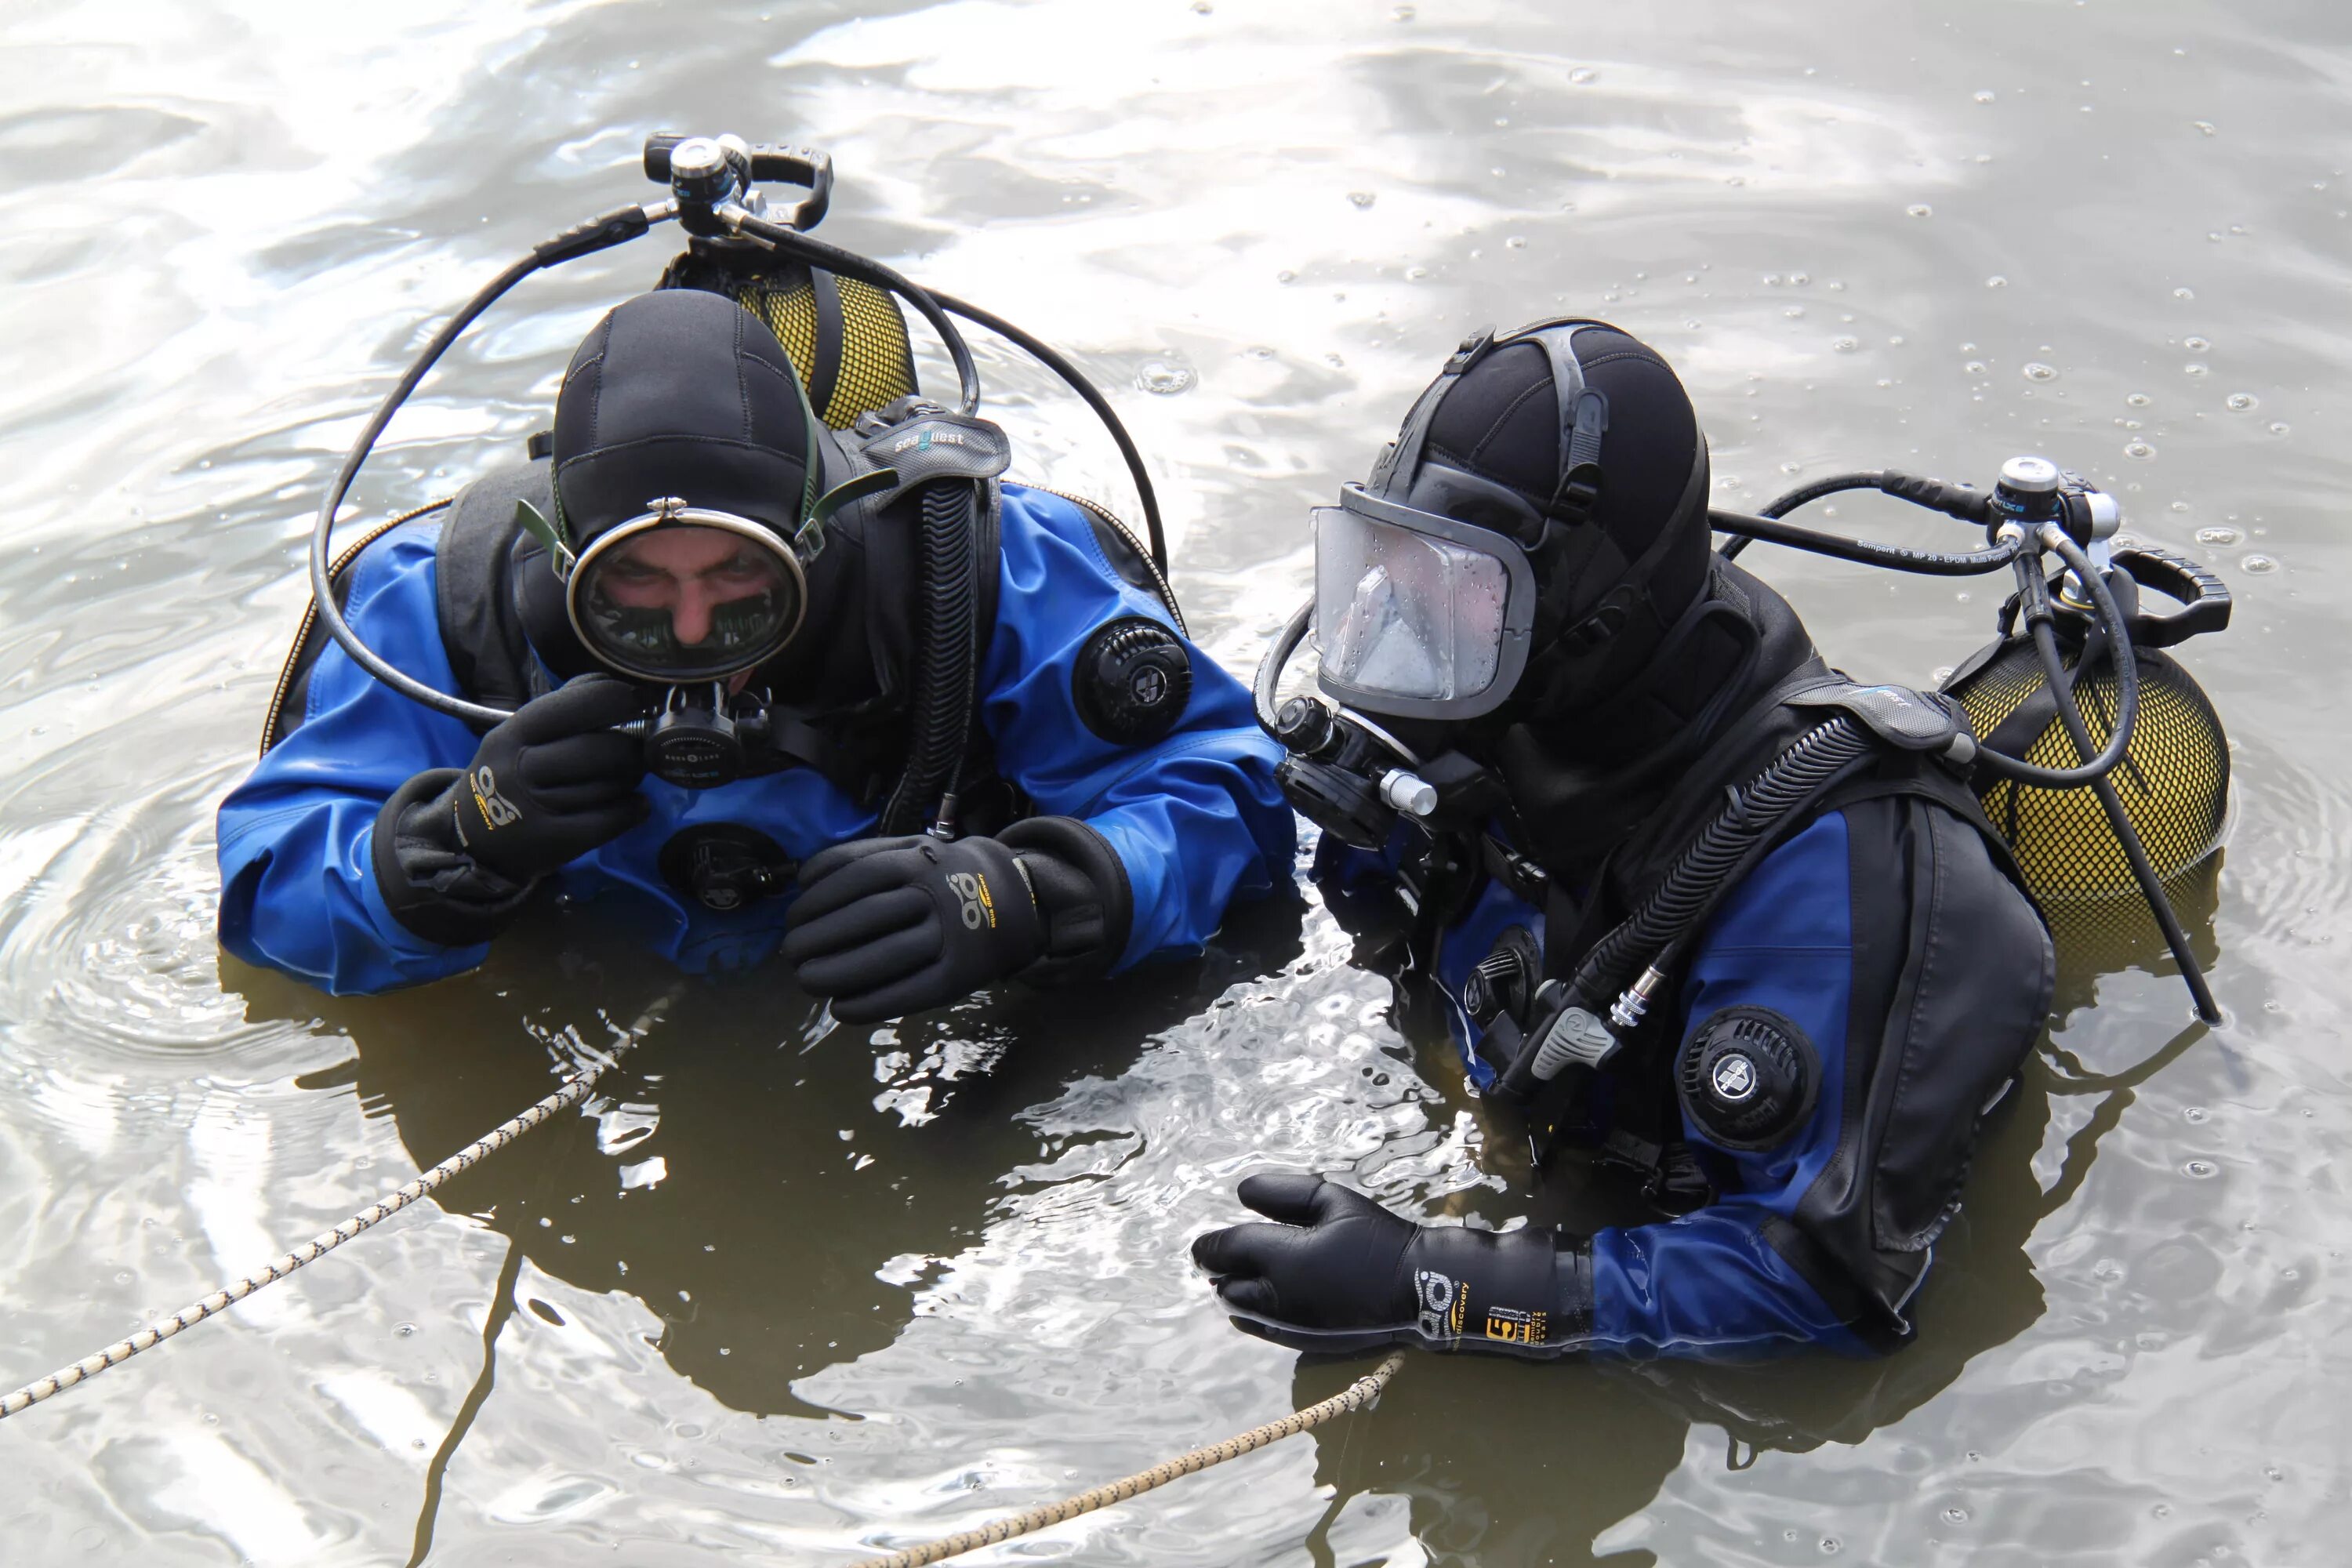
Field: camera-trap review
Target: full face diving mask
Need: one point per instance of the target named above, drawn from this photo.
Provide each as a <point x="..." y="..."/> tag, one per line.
<point x="683" y="595"/>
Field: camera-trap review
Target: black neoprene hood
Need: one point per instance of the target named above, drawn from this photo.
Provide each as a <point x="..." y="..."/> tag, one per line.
<point x="1500" y="423"/>
<point x="680" y="393"/>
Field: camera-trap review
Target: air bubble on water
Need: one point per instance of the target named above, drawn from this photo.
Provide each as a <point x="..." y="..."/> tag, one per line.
<point x="2138" y="399"/>
<point x="2196" y="345"/>
<point x="1920" y="209"/>
<point x="1285" y="277"/>
<point x="1515" y="242"/>
<point x="1361" y="198"/>
<point x="1975" y="367"/>
<point x="1794" y="312"/>
<point x="1846" y="345"/>
<point x="2240" y="402"/>
<point x="2279" y="427"/>
<point x="2200" y="1169"/>
<point x="1830" y="1546"/>
<point x="402" y="1331"/>
<point x="2217" y="536"/>
<point x="1986" y="95"/>
<point x="1799" y="280"/>
<point x="2196" y="1115"/>
<point x="1163" y="378"/>
<point x="1403" y="13"/>
<point x="2204" y="127"/>
<point x="2257" y="564"/>
<point x="2184" y="293"/>
<point x="2036" y="371"/>
<point x="2139" y="449"/>
<point x="1996" y="281"/>
<point x="2192" y="368"/>
<point x="1415" y="274"/>
<point x="1956" y="1516"/>
<point x="1582" y="74"/>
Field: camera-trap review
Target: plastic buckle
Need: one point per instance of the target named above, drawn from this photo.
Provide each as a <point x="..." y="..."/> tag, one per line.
<point x="1471" y="350"/>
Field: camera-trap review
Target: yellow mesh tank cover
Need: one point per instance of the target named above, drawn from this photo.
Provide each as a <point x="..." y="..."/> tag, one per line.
<point x="2174" y="780"/>
<point x="876" y="365"/>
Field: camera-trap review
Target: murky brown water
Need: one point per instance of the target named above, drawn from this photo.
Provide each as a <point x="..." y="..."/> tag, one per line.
<point x="878" y="1293"/>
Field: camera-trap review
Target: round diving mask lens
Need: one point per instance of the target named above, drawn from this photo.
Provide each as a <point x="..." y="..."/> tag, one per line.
<point x="1401" y="614"/>
<point x="686" y="596"/>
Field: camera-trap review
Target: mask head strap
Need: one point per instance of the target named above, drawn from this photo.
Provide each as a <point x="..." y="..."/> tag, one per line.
<point x="1402" y="455"/>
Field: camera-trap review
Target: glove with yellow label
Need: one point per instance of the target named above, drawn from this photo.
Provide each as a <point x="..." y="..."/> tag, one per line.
<point x="890" y="926"/>
<point x="1339" y="1273"/>
<point x="457" y="849"/>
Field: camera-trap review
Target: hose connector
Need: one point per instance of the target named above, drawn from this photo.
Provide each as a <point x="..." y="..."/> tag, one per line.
<point x="1626" y="1013"/>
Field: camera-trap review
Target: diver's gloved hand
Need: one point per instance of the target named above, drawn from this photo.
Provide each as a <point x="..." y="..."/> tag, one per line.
<point x="554" y="781"/>
<point x="1339" y="1273"/>
<point x="890" y="926"/>
<point x="457" y="849"/>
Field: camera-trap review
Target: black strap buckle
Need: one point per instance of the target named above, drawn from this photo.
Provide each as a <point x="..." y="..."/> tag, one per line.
<point x="1671" y="1176"/>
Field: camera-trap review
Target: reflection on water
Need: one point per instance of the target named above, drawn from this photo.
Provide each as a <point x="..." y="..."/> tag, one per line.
<point x="773" y="1296"/>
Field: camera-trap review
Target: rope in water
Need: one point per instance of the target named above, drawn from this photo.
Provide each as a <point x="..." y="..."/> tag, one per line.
<point x="1355" y="1396"/>
<point x="326" y="1241"/>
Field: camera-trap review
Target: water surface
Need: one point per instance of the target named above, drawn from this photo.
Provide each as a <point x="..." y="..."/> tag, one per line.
<point x="787" y="1299"/>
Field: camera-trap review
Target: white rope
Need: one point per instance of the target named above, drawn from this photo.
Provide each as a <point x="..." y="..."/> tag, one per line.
<point x="1355" y="1396"/>
<point x="326" y="1241"/>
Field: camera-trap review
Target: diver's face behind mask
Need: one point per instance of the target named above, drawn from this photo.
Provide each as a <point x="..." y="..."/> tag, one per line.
<point x="683" y="595"/>
<point x="1416" y="614"/>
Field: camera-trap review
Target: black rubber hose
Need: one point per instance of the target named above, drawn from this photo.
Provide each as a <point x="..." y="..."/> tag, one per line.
<point x="2070" y="714"/>
<point x="1270" y="668"/>
<point x="1901" y="558"/>
<point x="322" y="587"/>
<point x="941" y="709"/>
<point x="1796" y="776"/>
<point x="849" y="264"/>
<point x="1044" y="355"/>
<point x="1953" y="500"/>
<point x="583" y="239"/>
<point x="1783" y="505"/>
<point x="2035" y="594"/>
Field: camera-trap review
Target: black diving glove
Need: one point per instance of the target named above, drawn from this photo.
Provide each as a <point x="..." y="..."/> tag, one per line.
<point x="1341" y="1274"/>
<point x="890" y="926"/>
<point x="456" y="850"/>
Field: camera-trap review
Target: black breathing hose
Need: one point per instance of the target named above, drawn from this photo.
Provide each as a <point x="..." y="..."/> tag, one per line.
<point x="1075" y="380"/>
<point x="596" y="234"/>
<point x="1797" y="775"/>
<point x="322" y="586"/>
<point x="2034" y="594"/>
<point x="1954" y="501"/>
<point x="849" y="264"/>
<point x="943" y="678"/>
<point x="1901" y="558"/>
<point x="2070" y="714"/>
<point x="1270" y="668"/>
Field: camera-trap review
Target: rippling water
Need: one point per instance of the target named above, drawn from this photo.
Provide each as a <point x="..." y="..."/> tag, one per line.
<point x="786" y="1299"/>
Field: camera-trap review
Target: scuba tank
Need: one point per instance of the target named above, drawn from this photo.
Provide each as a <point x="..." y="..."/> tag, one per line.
<point x="2174" y="778"/>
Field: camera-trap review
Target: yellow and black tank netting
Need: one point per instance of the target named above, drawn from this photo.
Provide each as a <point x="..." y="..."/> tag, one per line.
<point x="878" y="364"/>
<point x="2174" y="780"/>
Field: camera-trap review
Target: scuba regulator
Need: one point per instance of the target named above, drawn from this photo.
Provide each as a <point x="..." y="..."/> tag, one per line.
<point x="687" y="603"/>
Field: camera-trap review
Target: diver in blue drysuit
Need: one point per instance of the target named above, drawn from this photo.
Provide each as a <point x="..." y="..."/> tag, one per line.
<point x="1519" y="615"/>
<point x="1114" y="793"/>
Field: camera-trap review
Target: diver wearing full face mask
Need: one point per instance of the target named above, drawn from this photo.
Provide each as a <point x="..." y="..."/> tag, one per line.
<point x="1687" y="898"/>
<point x="713" y="618"/>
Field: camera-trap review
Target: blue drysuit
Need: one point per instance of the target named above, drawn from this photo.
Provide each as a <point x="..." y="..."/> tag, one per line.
<point x="1919" y="973"/>
<point x="1195" y="818"/>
